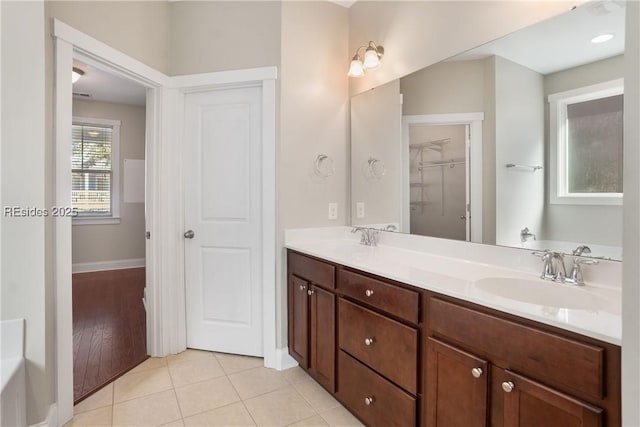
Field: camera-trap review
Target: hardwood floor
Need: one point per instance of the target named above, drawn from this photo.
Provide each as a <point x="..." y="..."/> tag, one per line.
<point x="109" y="327"/>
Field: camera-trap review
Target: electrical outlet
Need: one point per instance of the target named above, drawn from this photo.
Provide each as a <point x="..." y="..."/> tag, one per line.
<point x="333" y="211"/>
<point x="360" y="210"/>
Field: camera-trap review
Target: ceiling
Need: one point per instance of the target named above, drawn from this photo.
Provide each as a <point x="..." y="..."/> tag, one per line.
<point x="563" y="41"/>
<point x="106" y="87"/>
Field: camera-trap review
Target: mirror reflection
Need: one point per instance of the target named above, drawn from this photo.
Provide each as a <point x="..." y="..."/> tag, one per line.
<point x="517" y="142"/>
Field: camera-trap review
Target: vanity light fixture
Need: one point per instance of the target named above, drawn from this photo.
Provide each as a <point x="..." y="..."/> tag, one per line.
<point x="76" y="73"/>
<point x="602" y="38"/>
<point x="372" y="55"/>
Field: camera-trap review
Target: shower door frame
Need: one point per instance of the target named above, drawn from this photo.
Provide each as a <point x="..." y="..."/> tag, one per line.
<point x="474" y="166"/>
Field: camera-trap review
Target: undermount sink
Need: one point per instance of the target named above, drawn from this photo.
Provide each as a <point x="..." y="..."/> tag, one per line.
<point x="548" y="294"/>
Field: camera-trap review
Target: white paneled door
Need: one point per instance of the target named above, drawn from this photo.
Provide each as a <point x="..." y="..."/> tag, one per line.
<point x="223" y="224"/>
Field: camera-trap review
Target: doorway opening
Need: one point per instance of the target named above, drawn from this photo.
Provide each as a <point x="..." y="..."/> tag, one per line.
<point x="108" y="228"/>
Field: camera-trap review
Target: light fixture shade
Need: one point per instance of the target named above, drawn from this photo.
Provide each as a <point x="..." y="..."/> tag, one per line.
<point x="371" y="59"/>
<point x="356" y="69"/>
<point x="76" y="73"/>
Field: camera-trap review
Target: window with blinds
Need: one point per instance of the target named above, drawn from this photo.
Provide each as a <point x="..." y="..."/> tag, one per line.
<point x="92" y="170"/>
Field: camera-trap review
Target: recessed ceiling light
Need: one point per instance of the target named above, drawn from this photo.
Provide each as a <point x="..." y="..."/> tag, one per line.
<point x="602" y="38"/>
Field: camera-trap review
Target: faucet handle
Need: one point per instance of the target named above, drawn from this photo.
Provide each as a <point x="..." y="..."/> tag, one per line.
<point x="585" y="261"/>
<point x="582" y="249"/>
<point x="541" y="254"/>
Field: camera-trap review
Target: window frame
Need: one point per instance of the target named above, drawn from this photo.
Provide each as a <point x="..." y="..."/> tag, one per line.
<point x="558" y="102"/>
<point x="114" y="218"/>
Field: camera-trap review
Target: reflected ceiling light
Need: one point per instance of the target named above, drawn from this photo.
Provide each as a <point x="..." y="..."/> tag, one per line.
<point x="372" y="56"/>
<point x="602" y="38"/>
<point x="76" y="73"/>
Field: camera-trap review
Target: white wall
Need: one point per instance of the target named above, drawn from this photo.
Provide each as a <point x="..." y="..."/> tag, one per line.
<point x="314" y="114"/>
<point x="210" y="36"/>
<point x="520" y="140"/>
<point x="110" y="242"/>
<point x="574" y="223"/>
<point x="24" y="280"/>
<point x="376" y="117"/>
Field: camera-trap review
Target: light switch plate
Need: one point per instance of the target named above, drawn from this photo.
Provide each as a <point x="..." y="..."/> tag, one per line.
<point x="360" y="210"/>
<point x="333" y="211"/>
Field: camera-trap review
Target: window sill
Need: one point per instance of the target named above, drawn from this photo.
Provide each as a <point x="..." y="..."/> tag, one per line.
<point x="94" y="220"/>
<point x="587" y="200"/>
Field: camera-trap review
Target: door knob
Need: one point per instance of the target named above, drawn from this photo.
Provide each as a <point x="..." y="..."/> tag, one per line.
<point x="368" y="292"/>
<point x="463" y="217"/>
<point x="368" y="400"/>
<point x="368" y="341"/>
<point x="507" y="386"/>
<point x="310" y="292"/>
<point x="476" y="372"/>
<point x="189" y="234"/>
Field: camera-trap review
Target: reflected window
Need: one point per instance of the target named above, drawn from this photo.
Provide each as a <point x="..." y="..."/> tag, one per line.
<point x="587" y="145"/>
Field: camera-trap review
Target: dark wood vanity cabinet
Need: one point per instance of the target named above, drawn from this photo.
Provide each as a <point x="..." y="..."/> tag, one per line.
<point x="395" y="355"/>
<point x="311" y="317"/>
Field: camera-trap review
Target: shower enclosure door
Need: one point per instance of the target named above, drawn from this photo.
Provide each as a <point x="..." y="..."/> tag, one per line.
<point x="439" y="181"/>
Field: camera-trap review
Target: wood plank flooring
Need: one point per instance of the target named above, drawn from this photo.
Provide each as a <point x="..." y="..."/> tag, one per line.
<point x="109" y="327"/>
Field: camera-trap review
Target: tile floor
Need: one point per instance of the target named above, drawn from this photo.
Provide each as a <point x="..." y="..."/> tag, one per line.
<point x="200" y="388"/>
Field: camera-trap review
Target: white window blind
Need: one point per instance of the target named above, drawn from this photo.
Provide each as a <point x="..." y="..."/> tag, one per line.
<point x="92" y="170"/>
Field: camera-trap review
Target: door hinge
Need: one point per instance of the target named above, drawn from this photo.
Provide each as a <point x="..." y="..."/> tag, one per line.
<point x="148" y="235"/>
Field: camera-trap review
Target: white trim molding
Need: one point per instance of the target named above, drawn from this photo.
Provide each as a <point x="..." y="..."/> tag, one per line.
<point x="474" y="120"/>
<point x="52" y="418"/>
<point x="120" y="264"/>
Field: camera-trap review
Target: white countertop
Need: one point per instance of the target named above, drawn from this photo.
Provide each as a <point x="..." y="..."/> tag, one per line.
<point x="594" y="311"/>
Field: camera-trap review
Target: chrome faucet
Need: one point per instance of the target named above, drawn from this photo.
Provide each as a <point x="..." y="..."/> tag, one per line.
<point x="525" y="234"/>
<point x="369" y="236"/>
<point x="555" y="270"/>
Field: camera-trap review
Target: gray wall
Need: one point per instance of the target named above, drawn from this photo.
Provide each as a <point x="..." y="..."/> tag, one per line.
<point x="110" y="242"/>
<point x="582" y="223"/>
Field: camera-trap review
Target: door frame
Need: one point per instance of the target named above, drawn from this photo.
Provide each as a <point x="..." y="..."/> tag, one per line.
<point x="474" y="166"/>
<point x="165" y="291"/>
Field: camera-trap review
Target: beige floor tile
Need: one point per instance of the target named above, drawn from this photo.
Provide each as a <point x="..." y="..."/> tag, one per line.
<point x="315" y="421"/>
<point x="206" y="395"/>
<point x="141" y="384"/>
<point x="231" y="415"/>
<point x="188" y="354"/>
<point x="340" y="417"/>
<point x="257" y="381"/>
<point x="195" y="370"/>
<point x="96" y="418"/>
<point x="150" y="363"/>
<point x="279" y="408"/>
<point x="318" y="397"/>
<point x="155" y="409"/>
<point x="293" y="375"/>
<point x="99" y="399"/>
<point x="176" y="423"/>
<point x="232" y="363"/>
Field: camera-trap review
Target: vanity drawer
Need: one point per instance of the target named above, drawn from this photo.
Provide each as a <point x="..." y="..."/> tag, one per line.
<point x="393" y="299"/>
<point x="393" y="349"/>
<point x="540" y="354"/>
<point x="389" y="405"/>
<point x="312" y="270"/>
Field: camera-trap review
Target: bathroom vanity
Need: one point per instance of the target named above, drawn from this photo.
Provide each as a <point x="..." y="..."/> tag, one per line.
<point x="438" y="349"/>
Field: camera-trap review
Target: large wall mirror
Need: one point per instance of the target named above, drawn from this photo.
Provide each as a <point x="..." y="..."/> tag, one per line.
<point x="517" y="142"/>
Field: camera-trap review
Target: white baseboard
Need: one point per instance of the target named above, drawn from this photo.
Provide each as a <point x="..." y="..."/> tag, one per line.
<point x="283" y="360"/>
<point x="87" y="267"/>
<point x="52" y="418"/>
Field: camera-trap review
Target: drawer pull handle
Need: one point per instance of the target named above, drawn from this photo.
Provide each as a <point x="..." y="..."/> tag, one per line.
<point x="476" y="372"/>
<point x="507" y="386"/>
<point x="368" y="292"/>
<point x="302" y="287"/>
<point x="310" y="292"/>
<point x="369" y="341"/>
<point x="368" y="401"/>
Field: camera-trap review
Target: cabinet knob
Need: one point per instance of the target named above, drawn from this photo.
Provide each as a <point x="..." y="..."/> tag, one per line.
<point x="507" y="386"/>
<point x="369" y="341"/>
<point x="368" y="401"/>
<point x="310" y="292"/>
<point x="368" y="292"/>
<point x="476" y="372"/>
<point x="302" y="287"/>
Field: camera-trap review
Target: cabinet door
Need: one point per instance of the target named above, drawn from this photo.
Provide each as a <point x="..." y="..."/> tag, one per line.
<point x="456" y="387"/>
<point x="299" y="320"/>
<point x="322" y="361"/>
<point x="530" y="404"/>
